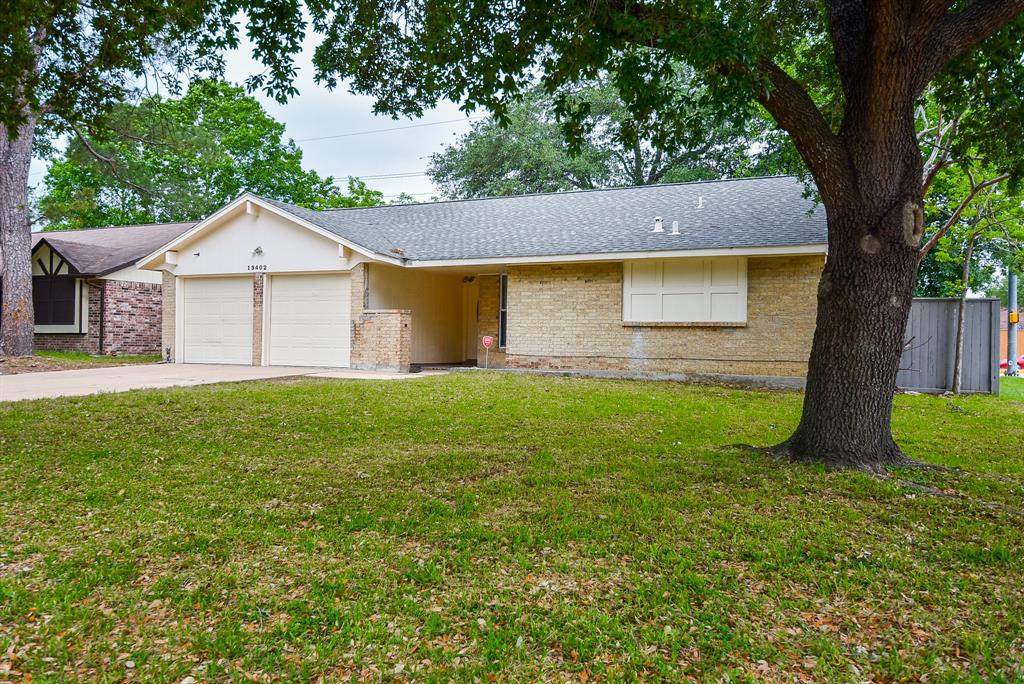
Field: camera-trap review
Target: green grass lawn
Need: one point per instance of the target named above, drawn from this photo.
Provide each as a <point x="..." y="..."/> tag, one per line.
<point x="491" y="527"/>
<point x="1012" y="388"/>
<point x="81" y="357"/>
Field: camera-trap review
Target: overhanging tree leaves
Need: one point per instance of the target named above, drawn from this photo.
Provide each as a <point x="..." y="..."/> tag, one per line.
<point x="841" y="77"/>
<point x="180" y="159"/>
<point x="529" y="153"/>
<point x="64" y="64"/>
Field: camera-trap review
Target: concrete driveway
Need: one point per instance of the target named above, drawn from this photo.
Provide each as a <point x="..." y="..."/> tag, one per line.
<point x="72" y="383"/>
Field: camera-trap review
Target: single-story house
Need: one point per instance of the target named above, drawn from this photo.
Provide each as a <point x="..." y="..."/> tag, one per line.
<point x="695" y="278"/>
<point x="89" y="296"/>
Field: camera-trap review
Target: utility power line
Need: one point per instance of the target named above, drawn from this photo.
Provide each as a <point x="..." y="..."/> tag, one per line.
<point x="387" y="176"/>
<point x="393" y="128"/>
<point x="411" y="194"/>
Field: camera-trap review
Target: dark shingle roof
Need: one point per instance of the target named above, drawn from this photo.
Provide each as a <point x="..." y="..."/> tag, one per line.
<point x="99" y="251"/>
<point x="748" y="212"/>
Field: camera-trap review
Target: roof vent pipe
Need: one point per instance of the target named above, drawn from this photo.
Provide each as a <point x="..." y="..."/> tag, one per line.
<point x="658" y="228"/>
<point x="675" y="228"/>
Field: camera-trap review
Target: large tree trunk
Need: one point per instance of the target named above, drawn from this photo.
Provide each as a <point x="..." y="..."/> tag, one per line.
<point x="16" y="315"/>
<point x="864" y="300"/>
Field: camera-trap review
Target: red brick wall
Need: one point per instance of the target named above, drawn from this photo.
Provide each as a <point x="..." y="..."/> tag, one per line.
<point x="132" y="318"/>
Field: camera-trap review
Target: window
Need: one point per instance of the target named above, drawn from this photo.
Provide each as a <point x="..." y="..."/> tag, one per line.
<point x="689" y="290"/>
<point x="503" y="312"/>
<point x="55" y="300"/>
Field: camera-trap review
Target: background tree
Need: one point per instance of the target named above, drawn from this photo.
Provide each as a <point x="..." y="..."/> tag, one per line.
<point x="64" y="64"/>
<point x="182" y="159"/>
<point x="529" y="153"/>
<point x="841" y="77"/>
<point x="973" y="216"/>
<point x="998" y="289"/>
<point x="954" y="204"/>
<point x="993" y="228"/>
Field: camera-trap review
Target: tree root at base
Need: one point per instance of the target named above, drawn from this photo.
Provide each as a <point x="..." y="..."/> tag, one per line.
<point x="881" y="471"/>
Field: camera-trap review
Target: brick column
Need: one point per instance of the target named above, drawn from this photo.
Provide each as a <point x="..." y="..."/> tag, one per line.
<point x="382" y="340"/>
<point x="167" y="331"/>
<point x="257" y="319"/>
<point x="490" y="320"/>
<point x="358" y="291"/>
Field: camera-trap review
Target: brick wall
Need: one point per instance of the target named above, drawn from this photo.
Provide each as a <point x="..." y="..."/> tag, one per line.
<point x="167" y="334"/>
<point x="381" y="338"/>
<point x="488" y="322"/>
<point x="132" y="317"/>
<point x="257" y="319"/>
<point x="131" y="321"/>
<point x="570" y="316"/>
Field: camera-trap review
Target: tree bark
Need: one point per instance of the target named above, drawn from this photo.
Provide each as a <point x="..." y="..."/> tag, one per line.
<point x="864" y="299"/>
<point x="875" y="224"/>
<point x="16" y="313"/>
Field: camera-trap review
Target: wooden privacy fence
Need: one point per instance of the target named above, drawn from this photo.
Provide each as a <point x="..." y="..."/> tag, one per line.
<point x="930" y="346"/>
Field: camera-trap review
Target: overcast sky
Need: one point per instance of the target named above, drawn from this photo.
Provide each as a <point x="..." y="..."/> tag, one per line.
<point x="317" y="113"/>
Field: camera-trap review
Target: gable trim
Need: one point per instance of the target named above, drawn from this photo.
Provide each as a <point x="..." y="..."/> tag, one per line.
<point x="50" y="268"/>
<point x="248" y="201"/>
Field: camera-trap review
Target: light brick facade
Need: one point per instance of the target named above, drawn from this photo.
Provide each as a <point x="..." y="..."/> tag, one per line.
<point x="381" y="338"/>
<point x="489" y="321"/>
<point x="258" y="289"/>
<point x="569" y="316"/>
<point x="124" y="318"/>
<point x="167" y="334"/>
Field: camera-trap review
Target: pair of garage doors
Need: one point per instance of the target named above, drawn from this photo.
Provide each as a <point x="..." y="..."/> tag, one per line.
<point x="306" y="321"/>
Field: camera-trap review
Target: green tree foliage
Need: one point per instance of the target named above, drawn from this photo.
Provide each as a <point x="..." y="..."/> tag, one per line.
<point x="64" y="65"/>
<point x="181" y="159"/>
<point x="999" y="289"/>
<point x="990" y="227"/>
<point x="529" y="153"/>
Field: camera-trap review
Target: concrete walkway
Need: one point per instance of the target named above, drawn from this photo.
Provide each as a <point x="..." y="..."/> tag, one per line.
<point x="73" y="383"/>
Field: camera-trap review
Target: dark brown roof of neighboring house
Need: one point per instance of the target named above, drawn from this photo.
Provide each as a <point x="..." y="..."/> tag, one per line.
<point x="99" y="251"/>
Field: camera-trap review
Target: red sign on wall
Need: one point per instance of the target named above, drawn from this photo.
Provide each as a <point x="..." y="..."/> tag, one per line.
<point x="488" y="341"/>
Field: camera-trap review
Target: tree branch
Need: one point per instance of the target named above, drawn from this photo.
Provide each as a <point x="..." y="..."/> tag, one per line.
<point x="795" y="111"/>
<point x="847" y="21"/>
<point x="941" y="232"/>
<point x="99" y="156"/>
<point x="957" y="32"/>
<point x="940" y="156"/>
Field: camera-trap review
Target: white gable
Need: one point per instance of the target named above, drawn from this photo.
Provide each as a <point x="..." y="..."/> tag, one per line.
<point x="256" y="242"/>
<point x="47" y="262"/>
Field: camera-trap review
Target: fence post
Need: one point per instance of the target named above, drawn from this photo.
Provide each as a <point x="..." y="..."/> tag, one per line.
<point x="1011" y="330"/>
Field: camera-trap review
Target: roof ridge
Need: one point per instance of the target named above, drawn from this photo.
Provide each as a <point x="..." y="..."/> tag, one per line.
<point x="130" y="225"/>
<point x="570" y="192"/>
<point x="382" y="230"/>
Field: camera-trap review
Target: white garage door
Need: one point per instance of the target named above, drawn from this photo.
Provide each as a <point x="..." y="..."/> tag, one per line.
<point x="217" y="320"/>
<point x="309" y="320"/>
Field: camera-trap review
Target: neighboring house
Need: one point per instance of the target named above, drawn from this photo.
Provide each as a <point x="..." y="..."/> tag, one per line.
<point x="1004" y="334"/>
<point x="714" y="278"/>
<point x="88" y="295"/>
